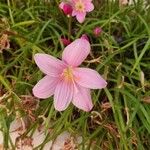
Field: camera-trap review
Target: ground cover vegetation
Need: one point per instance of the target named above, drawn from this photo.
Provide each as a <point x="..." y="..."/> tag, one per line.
<point x="120" y="117"/>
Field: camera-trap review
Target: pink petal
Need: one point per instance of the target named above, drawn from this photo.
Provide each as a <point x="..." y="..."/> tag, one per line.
<point x="75" y="1"/>
<point x="61" y="5"/>
<point x="89" y="7"/>
<point x="74" y="13"/>
<point x="63" y="95"/>
<point x="49" y="64"/>
<point x="76" y="52"/>
<point x="45" y="87"/>
<point x="82" y="99"/>
<point x="89" y="78"/>
<point x="81" y="17"/>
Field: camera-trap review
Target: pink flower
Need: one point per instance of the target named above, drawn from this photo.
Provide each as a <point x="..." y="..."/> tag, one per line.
<point x="77" y="8"/>
<point x="66" y="7"/>
<point x="80" y="8"/>
<point x="65" y="41"/>
<point x="97" y="31"/>
<point x="65" y="80"/>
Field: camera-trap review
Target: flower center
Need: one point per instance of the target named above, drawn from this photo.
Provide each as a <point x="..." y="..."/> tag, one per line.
<point x="79" y="6"/>
<point x="67" y="74"/>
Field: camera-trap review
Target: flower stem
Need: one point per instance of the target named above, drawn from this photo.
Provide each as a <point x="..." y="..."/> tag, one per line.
<point x="69" y="27"/>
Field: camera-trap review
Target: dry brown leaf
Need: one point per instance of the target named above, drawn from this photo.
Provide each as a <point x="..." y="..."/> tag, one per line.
<point x="4" y="42"/>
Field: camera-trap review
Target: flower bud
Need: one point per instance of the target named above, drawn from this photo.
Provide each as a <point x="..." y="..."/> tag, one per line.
<point x="85" y="36"/>
<point x="97" y="31"/>
<point x="66" y="7"/>
<point x="65" y="41"/>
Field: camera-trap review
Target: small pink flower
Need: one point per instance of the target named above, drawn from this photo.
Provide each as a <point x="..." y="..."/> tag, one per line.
<point x="66" y="7"/>
<point x="80" y="8"/>
<point x="97" y="31"/>
<point x="65" y="41"/>
<point x="65" y="80"/>
<point x="77" y="8"/>
<point x="84" y="36"/>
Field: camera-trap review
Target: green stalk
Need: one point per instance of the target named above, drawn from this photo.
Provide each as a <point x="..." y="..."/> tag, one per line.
<point x="69" y="27"/>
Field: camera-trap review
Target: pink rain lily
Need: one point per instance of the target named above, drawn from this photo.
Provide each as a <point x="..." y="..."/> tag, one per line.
<point x="65" y="80"/>
<point x="80" y="8"/>
<point x="77" y="8"/>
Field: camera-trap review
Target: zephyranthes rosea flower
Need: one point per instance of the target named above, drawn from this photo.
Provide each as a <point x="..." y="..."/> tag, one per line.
<point x="79" y="8"/>
<point x="65" y="80"/>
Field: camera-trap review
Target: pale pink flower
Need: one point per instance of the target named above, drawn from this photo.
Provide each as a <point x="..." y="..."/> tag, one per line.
<point x="77" y="8"/>
<point x="65" y="80"/>
<point x="80" y="8"/>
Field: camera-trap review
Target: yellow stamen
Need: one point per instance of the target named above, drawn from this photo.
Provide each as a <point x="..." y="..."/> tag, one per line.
<point x="79" y="6"/>
<point x="67" y="74"/>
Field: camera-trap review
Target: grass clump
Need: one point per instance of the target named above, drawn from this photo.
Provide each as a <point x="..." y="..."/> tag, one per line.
<point x="120" y="118"/>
